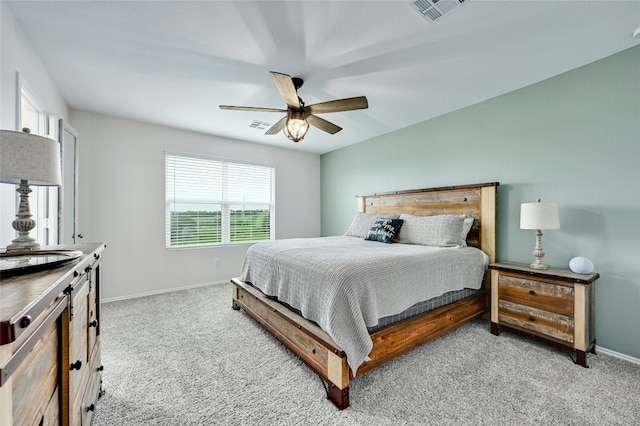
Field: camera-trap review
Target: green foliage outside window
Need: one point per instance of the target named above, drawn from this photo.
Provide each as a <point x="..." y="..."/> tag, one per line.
<point x="204" y="227"/>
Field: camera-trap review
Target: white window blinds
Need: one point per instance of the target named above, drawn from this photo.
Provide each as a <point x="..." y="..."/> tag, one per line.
<point x="210" y="201"/>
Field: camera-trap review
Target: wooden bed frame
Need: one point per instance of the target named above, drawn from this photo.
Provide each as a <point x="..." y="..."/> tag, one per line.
<point x="316" y="348"/>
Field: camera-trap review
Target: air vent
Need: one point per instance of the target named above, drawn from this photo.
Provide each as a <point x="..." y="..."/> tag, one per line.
<point x="260" y="125"/>
<point x="433" y="10"/>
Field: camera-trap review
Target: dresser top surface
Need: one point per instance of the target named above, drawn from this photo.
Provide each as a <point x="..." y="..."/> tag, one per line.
<point x="29" y="294"/>
<point x="558" y="273"/>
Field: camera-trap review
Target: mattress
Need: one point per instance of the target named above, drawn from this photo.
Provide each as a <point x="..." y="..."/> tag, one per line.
<point x="425" y="306"/>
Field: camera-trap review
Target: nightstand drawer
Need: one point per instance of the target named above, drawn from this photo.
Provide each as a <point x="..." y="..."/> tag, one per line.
<point x="537" y="294"/>
<point x="539" y="321"/>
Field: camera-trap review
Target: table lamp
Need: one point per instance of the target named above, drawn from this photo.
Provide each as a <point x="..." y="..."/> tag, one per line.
<point x="539" y="216"/>
<point x="27" y="159"/>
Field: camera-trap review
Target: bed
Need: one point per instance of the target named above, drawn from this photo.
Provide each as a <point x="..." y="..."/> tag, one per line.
<point x="314" y="339"/>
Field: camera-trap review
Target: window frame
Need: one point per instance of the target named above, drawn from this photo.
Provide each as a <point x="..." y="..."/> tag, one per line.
<point x="43" y="201"/>
<point x="225" y="225"/>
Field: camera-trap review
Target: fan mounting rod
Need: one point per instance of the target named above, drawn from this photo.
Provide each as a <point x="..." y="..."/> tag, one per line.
<point x="297" y="82"/>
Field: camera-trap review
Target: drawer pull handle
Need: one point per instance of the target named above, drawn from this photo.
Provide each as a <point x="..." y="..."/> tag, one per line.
<point x="532" y="318"/>
<point x="532" y="292"/>
<point x="76" y="365"/>
<point x="91" y="407"/>
<point x="93" y="323"/>
<point x="25" y="321"/>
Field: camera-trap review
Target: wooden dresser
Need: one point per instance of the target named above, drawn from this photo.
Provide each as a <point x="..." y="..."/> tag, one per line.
<point x="556" y="305"/>
<point x="50" y="371"/>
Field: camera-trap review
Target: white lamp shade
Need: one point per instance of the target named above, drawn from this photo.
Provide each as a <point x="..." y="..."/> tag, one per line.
<point x="33" y="158"/>
<point x="539" y="216"/>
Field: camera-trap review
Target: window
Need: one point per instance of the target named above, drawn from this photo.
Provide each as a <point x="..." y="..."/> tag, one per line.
<point x="210" y="201"/>
<point x="43" y="199"/>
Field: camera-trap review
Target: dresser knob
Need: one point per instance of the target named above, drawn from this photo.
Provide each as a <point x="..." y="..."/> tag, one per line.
<point x="93" y="323"/>
<point x="532" y="292"/>
<point x="101" y="368"/>
<point x="91" y="407"/>
<point x="25" y="321"/>
<point x="76" y="365"/>
<point x="532" y="318"/>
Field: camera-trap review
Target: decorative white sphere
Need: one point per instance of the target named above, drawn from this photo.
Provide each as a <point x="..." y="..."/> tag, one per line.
<point x="581" y="265"/>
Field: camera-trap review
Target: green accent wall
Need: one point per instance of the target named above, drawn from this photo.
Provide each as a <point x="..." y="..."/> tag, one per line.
<point x="573" y="139"/>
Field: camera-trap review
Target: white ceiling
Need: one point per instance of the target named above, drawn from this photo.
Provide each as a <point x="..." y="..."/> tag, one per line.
<point x="174" y="62"/>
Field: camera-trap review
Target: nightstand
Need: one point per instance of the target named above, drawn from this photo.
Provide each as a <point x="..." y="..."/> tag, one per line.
<point x="556" y="305"/>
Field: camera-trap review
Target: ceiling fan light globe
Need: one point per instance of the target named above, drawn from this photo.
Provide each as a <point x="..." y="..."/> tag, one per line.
<point x="297" y="127"/>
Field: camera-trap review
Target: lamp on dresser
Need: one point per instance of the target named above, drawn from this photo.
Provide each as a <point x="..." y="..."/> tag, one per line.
<point x="27" y="159"/>
<point x="539" y="216"/>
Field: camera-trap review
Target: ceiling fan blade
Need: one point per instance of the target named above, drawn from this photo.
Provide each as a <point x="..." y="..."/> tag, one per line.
<point x="277" y="127"/>
<point x="323" y="124"/>
<point x="287" y="89"/>
<point x="245" y="108"/>
<point x="347" y="104"/>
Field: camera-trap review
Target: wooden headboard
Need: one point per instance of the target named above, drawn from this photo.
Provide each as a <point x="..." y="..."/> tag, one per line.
<point x="477" y="201"/>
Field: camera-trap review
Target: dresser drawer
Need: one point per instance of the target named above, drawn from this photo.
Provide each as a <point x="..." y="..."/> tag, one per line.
<point x="36" y="380"/>
<point x="553" y="325"/>
<point x="537" y="294"/>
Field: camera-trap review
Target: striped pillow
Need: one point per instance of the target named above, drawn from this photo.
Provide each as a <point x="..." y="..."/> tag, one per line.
<point x="437" y="231"/>
<point x="363" y="222"/>
<point x="466" y="227"/>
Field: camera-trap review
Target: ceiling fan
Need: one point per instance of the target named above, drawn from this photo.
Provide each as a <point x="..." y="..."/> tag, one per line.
<point x="299" y="116"/>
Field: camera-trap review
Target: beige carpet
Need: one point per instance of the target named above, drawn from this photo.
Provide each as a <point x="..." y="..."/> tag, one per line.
<point x="187" y="358"/>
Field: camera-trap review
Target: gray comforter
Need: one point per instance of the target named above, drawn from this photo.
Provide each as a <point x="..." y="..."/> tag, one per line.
<point x="346" y="284"/>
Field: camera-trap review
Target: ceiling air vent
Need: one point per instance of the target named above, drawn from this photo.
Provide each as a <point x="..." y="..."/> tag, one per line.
<point x="433" y="10"/>
<point x="260" y="125"/>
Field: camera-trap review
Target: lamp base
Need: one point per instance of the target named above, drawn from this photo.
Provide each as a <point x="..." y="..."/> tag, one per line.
<point x="24" y="244"/>
<point x="23" y="222"/>
<point x="538" y="265"/>
<point x="538" y="253"/>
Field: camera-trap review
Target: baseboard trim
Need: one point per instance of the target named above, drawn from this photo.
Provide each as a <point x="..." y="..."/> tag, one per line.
<point x="169" y="290"/>
<point x="615" y="354"/>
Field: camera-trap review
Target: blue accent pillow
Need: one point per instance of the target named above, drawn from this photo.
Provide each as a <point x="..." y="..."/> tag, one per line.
<point x="384" y="230"/>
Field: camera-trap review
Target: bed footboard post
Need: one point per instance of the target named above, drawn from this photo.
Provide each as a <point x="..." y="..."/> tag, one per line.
<point x="234" y="297"/>
<point x="308" y="341"/>
<point x="339" y="397"/>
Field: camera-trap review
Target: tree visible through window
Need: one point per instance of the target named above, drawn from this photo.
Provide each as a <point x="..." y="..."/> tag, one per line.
<point x="210" y="201"/>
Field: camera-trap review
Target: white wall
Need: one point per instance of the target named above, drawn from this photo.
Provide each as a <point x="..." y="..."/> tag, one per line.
<point x="17" y="56"/>
<point x="121" y="197"/>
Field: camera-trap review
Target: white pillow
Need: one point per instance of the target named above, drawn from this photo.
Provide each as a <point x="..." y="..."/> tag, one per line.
<point x="363" y="222"/>
<point x="437" y="231"/>
<point x="466" y="227"/>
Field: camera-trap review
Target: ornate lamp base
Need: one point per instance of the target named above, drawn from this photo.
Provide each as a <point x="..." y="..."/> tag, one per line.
<point x="23" y="223"/>
<point x="538" y="253"/>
